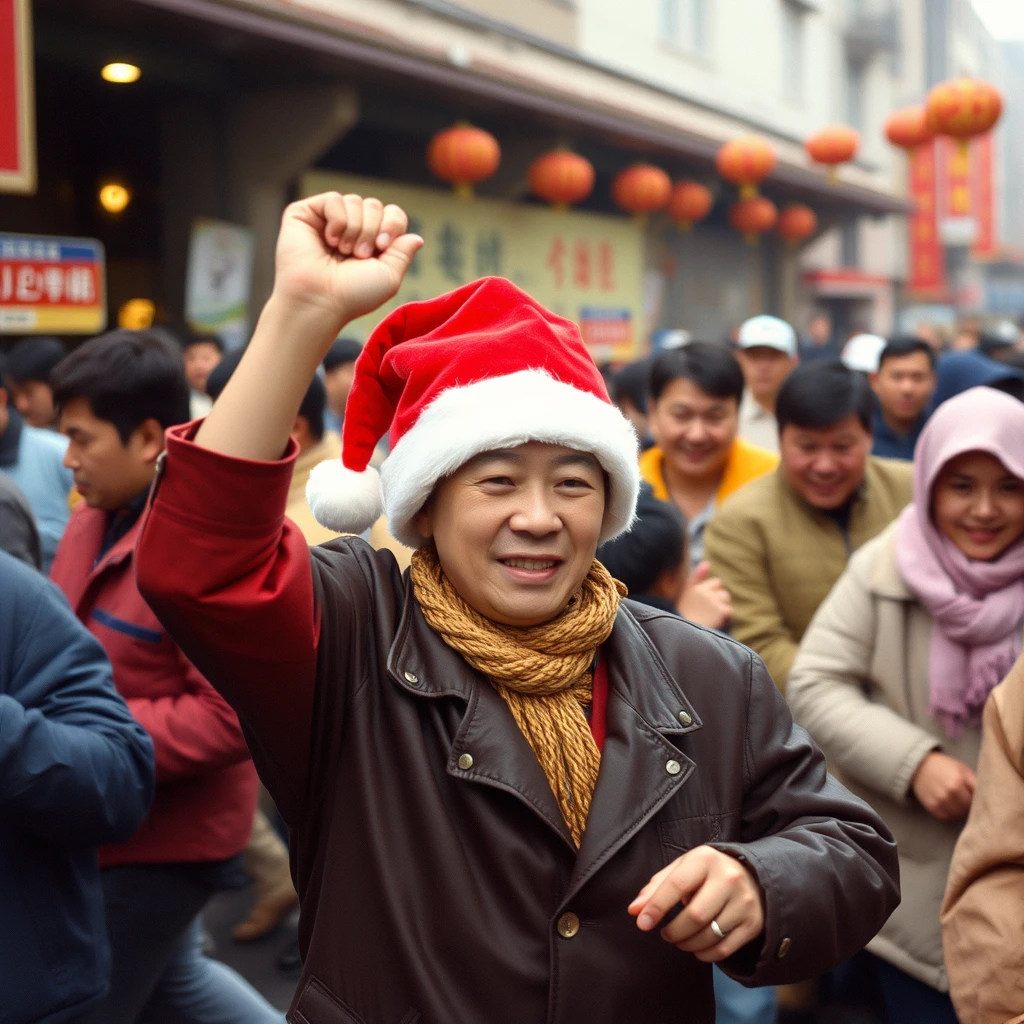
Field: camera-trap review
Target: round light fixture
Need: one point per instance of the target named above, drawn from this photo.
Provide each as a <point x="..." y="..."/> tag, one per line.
<point x="114" y="197"/>
<point x="120" y="73"/>
<point x="136" y="314"/>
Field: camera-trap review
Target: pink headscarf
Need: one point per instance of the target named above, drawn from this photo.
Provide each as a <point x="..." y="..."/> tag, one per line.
<point x="977" y="607"/>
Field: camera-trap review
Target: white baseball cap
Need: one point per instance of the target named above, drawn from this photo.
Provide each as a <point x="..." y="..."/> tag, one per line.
<point x="864" y="352"/>
<point x="767" y="332"/>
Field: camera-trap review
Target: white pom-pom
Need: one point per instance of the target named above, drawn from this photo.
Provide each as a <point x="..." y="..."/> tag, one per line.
<point x="343" y="500"/>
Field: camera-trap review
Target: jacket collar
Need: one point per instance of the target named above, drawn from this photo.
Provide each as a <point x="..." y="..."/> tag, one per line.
<point x="647" y="709"/>
<point x="885" y="580"/>
<point x="76" y="568"/>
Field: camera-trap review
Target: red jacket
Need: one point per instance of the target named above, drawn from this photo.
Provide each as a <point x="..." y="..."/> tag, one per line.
<point x="205" y="780"/>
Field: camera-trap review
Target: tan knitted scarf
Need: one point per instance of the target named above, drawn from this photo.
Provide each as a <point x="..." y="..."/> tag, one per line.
<point x="543" y="672"/>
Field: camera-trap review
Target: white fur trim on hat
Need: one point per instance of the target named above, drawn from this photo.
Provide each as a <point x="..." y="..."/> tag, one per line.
<point x="343" y="500"/>
<point x="503" y="412"/>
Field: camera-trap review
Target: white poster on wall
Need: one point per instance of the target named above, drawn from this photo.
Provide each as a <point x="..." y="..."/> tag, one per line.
<point x="218" y="280"/>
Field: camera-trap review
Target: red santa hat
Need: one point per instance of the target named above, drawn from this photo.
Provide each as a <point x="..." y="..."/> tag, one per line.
<point x="481" y="368"/>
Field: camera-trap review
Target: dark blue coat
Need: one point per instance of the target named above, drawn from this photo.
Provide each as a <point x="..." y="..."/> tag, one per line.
<point x="76" y="770"/>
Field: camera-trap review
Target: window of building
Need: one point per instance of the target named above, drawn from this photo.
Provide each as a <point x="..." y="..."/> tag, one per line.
<point x="792" y="52"/>
<point x="849" y="244"/>
<point x="856" y="75"/>
<point x="684" y="25"/>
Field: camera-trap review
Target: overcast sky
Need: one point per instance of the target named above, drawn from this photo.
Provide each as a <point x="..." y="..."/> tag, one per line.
<point x="1003" y="18"/>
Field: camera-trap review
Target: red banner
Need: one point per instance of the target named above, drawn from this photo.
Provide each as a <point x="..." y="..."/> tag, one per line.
<point x="17" y="125"/>
<point x="983" y="194"/>
<point x="927" y="277"/>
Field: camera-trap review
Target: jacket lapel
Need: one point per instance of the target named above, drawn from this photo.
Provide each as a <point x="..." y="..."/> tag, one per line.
<point x="636" y="778"/>
<point x="425" y="666"/>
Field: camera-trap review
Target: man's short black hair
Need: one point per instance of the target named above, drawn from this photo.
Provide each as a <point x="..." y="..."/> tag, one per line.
<point x="655" y="545"/>
<point x="713" y="368"/>
<point x="34" y="359"/>
<point x="127" y="377"/>
<point x="344" y="350"/>
<point x="313" y="403"/>
<point x="630" y="382"/>
<point x="197" y="338"/>
<point x="906" y="345"/>
<point x="822" y="393"/>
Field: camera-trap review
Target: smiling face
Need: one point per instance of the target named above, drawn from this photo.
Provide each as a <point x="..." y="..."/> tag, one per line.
<point x="825" y="465"/>
<point x="516" y="530"/>
<point x="694" y="430"/>
<point x="979" y="505"/>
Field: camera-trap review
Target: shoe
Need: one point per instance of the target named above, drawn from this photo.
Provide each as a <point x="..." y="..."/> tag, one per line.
<point x="265" y="916"/>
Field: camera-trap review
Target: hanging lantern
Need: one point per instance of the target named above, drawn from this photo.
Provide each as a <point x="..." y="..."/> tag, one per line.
<point x="745" y="161"/>
<point x="908" y="128"/>
<point x="463" y="155"/>
<point x="832" y="146"/>
<point x="797" y="223"/>
<point x="689" y="203"/>
<point x="562" y="178"/>
<point x="752" y="217"/>
<point x="963" y="108"/>
<point x="641" y="189"/>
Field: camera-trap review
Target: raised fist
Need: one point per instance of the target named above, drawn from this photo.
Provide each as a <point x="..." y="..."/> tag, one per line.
<point x="342" y="255"/>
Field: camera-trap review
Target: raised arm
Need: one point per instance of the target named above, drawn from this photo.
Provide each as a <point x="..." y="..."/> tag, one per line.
<point x="226" y="572"/>
<point x="338" y="257"/>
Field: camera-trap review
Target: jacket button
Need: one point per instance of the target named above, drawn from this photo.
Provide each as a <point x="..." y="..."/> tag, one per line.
<point x="466" y="762"/>
<point x="411" y="677"/>
<point x="673" y="767"/>
<point x="685" y="717"/>
<point x="568" y="925"/>
<point x="783" y="947"/>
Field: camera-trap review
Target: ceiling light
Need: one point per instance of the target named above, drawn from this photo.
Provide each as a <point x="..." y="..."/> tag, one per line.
<point x="114" y="197"/>
<point x="120" y="73"/>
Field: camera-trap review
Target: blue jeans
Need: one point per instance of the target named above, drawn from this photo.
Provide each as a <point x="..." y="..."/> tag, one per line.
<point x="737" y="1004"/>
<point x="197" y="989"/>
<point x="157" y="966"/>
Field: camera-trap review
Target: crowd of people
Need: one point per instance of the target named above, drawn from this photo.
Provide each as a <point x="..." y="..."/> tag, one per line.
<point x="350" y="623"/>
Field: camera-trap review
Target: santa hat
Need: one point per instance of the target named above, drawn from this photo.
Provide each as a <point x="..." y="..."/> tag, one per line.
<point x="481" y="368"/>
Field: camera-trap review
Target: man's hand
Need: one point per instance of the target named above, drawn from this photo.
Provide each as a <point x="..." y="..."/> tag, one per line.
<point x="712" y="886"/>
<point x="344" y="255"/>
<point x="705" y="599"/>
<point x="944" y="786"/>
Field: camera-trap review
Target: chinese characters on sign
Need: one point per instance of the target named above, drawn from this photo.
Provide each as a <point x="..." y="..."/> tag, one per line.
<point x="585" y="267"/>
<point x="51" y="285"/>
<point x="927" y="268"/>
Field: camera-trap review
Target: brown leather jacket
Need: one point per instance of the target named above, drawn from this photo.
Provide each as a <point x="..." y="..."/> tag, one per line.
<point x="437" y="878"/>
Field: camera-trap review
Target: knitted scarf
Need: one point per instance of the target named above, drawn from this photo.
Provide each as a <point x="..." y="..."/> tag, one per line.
<point x="542" y="672"/>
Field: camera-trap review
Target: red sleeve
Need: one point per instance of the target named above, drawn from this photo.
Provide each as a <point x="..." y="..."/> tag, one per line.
<point x="193" y="732"/>
<point x="229" y="576"/>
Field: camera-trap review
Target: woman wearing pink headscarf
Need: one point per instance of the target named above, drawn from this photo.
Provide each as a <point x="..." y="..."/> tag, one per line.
<point x="893" y="672"/>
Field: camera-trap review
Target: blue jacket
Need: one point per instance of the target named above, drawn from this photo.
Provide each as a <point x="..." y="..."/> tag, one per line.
<point x="76" y="770"/>
<point x="34" y="459"/>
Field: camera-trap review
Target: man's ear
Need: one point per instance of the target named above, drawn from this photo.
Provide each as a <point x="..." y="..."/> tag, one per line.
<point x="150" y="438"/>
<point x="873" y="381"/>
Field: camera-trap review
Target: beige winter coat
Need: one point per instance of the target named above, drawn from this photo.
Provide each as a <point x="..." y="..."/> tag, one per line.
<point x="983" y="916"/>
<point x="859" y="685"/>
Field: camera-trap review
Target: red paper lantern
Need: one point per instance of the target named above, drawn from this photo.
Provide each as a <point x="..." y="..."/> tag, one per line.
<point x="463" y="155"/>
<point x="797" y="223"/>
<point x="752" y="217"/>
<point x="908" y="128"/>
<point x="832" y="146"/>
<point x="745" y="161"/>
<point x="562" y="178"/>
<point x="689" y="203"/>
<point x="641" y="189"/>
<point x="963" y="108"/>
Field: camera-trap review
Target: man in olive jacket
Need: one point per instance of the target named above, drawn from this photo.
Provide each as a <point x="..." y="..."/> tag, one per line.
<point x="780" y="543"/>
<point x="512" y="796"/>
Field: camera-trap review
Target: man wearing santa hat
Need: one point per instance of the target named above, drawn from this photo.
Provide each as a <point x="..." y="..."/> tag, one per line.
<point x="513" y="796"/>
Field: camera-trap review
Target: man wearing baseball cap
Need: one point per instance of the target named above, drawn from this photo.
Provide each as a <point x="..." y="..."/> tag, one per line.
<point x="512" y="795"/>
<point x="766" y="348"/>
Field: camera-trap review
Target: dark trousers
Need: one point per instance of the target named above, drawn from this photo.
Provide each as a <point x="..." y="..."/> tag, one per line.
<point x="909" y="1001"/>
<point x="149" y="909"/>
